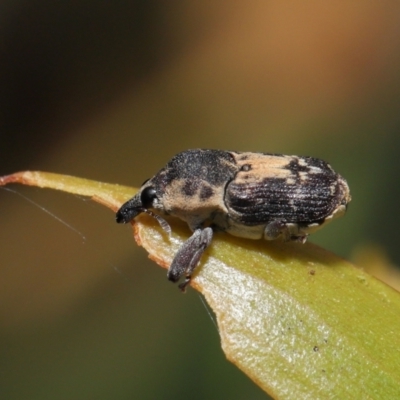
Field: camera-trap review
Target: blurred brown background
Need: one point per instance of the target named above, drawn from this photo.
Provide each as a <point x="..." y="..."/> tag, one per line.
<point x="110" y="91"/>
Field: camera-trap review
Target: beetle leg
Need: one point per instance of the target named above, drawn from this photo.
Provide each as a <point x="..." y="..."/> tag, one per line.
<point x="301" y="239"/>
<point x="276" y="228"/>
<point x="188" y="256"/>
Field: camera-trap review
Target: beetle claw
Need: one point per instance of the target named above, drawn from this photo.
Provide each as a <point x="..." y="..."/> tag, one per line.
<point x="182" y="286"/>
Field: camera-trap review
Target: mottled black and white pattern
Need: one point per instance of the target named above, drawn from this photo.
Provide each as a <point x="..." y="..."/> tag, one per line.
<point x="251" y="195"/>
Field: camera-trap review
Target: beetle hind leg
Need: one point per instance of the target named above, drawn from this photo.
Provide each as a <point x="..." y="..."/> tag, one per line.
<point x="288" y="232"/>
<point x="276" y="228"/>
<point x="188" y="256"/>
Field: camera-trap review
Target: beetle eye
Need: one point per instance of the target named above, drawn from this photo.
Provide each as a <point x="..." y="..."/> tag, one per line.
<point x="147" y="196"/>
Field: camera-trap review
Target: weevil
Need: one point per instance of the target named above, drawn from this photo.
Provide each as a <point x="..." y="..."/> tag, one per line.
<point x="250" y="195"/>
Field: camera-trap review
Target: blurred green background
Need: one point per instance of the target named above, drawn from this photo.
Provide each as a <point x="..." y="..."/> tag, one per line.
<point x="110" y="91"/>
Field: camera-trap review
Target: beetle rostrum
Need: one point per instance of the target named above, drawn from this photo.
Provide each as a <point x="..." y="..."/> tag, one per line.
<point x="250" y="195"/>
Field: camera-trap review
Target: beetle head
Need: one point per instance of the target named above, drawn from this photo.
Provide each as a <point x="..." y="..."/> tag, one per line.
<point x="138" y="204"/>
<point x="129" y="210"/>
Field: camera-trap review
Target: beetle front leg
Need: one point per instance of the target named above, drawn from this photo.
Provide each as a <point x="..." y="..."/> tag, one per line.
<point x="188" y="256"/>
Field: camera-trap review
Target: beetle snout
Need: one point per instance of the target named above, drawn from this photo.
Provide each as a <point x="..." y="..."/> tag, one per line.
<point x="128" y="211"/>
<point x="126" y="214"/>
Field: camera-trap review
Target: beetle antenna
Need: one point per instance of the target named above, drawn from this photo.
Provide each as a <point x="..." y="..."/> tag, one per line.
<point x="163" y="223"/>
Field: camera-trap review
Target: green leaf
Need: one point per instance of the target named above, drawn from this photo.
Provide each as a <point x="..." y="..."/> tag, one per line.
<point x="299" y="321"/>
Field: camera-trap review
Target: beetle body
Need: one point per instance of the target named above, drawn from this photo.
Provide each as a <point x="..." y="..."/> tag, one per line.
<point x="250" y="195"/>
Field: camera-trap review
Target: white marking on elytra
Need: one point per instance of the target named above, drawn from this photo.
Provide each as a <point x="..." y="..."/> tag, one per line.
<point x="303" y="176"/>
<point x="290" y="181"/>
<point x="314" y="170"/>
